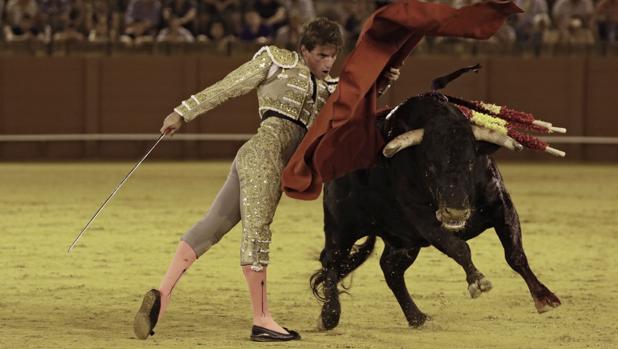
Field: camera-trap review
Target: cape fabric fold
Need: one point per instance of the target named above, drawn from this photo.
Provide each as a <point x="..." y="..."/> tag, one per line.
<point x="344" y="136"/>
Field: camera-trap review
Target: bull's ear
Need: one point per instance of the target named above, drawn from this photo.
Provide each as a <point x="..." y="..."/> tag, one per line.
<point x="486" y="148"/>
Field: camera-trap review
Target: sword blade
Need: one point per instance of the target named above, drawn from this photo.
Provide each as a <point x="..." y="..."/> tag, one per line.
<point x="81" y="233"/>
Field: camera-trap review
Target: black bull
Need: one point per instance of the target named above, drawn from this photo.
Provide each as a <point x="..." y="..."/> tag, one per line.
<point x="441" y="192"/>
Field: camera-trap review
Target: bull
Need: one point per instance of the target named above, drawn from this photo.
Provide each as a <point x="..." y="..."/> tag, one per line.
<point x="436" y="185"/>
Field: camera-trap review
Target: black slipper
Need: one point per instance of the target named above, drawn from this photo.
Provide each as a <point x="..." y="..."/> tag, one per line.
<point x="261" y="334"/>
<point x="147" y="315"/>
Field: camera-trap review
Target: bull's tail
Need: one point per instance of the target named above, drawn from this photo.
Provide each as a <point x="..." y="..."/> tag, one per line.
<point x="358" y="255"/>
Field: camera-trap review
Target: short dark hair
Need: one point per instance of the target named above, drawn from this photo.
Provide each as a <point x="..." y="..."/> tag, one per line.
<point x="321" y="31"/>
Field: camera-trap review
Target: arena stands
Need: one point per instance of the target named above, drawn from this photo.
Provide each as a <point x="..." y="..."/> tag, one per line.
<point x="105" y="27"/>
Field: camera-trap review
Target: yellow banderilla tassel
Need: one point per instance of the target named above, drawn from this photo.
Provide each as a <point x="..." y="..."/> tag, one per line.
<point x="489" y="122"/>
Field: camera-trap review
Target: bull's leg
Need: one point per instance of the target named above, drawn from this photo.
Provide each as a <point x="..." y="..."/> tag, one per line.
<point x="509" y="231"/>
<point x="459" y="250"/>
<point x="394" y="264"/>
<point x="332" y="259"/>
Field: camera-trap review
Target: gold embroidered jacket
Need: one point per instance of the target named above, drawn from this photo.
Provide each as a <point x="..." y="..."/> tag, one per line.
<point x="283" y="83"/>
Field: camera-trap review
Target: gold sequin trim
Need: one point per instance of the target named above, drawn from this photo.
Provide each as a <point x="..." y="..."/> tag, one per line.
<point x="239" y="82"/>
<point x="260" y="162"/>
<point x="285" y="108"/>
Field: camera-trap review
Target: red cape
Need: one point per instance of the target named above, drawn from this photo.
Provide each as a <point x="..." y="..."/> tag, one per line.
<point x="344" y="136"/>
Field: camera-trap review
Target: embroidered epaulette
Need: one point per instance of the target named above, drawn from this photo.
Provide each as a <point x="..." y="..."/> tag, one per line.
<point x="281" y="57"/>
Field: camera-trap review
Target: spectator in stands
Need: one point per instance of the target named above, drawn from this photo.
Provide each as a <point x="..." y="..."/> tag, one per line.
<point x="524" y="22"/>
<point x="1" y="13"/>
<point x="606" y="13"/>
<point x="100" y="22"/>
<point x="180" y="12"/>
<point x="544" y="32"/>
<point x="227" y="10"/>
<point x="299" y="12"/>
<point x="254" y="30"/>
<point x="332" y="12"/>
<point x="288" y="36"/>
<point x="21" y="21"/>
<point x="352" y="21"/>
<point x="462" y="3"/>
<point x="218" y="34"/>
<point x="175" y="32"/>
<point x="119" y="9"/>
<point x="504" y="36"/>
<point x="25" y="30"/>
<point x="302" y="10"/>
<point x="565" y="10"/>
<point x="577" y="33"/>
<point x="75" y="27"/>
<point x="55" y="15"/>
<point x="272" y="12"/>
<point x="141" y="21"/>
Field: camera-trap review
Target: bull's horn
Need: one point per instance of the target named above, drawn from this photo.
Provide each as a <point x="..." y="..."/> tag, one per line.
<point x="487" y="135"/>
<point x="403" y="141"/>
<point x="558" y="129"/>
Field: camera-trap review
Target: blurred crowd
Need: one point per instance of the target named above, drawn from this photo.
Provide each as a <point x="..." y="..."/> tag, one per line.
<point x="221" y="23"/>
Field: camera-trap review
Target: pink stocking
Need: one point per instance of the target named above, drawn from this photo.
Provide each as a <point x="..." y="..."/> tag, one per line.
<point x="184" y="257"/>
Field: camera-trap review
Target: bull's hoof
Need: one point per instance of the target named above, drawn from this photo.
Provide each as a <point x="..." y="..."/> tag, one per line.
<point x="479" y="286"/>
<point x="329" y="318"/>
<point x="321" y="324"/>
<point x="546" y="303"/>
<point x="418" y="320"/>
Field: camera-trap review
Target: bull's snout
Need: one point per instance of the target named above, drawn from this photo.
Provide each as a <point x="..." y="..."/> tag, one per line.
<point x="453" y="218"/>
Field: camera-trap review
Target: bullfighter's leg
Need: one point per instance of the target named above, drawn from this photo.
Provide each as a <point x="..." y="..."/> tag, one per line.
<point x="220" y="218"/>
<point x="509" y="231"/>
<point x="394" y="263"/>
<point x="259" y="164"/>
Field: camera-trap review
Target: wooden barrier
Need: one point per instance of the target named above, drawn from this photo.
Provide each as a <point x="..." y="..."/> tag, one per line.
<point x="132" y="94"/>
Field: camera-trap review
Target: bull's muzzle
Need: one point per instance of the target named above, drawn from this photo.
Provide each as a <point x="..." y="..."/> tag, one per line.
<point x="453" y="219"/>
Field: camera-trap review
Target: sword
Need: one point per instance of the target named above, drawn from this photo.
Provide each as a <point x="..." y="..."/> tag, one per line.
<point x="81" y="233"/>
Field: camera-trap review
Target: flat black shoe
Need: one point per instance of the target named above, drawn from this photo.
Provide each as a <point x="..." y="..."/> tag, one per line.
<point x="261" y="334"/>
<point x="147" y="315"/>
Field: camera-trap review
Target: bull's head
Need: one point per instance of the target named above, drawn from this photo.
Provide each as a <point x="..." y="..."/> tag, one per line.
<point x="443" y="148"/>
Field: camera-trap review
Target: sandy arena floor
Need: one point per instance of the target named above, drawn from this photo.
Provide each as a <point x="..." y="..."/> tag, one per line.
<point x="87" y="299"/>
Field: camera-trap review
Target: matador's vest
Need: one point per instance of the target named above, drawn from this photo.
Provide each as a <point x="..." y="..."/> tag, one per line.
<point x="284" y="85"/>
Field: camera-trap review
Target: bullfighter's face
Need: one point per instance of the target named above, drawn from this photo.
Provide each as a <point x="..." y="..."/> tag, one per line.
<point x="320" y="60"/>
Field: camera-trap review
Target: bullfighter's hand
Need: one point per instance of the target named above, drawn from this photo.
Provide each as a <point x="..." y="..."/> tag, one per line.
<point x="392" y="74"/>
<point x="171" y="123"/>
<point x="388" y="77"/>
